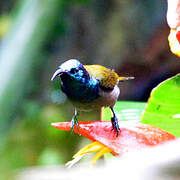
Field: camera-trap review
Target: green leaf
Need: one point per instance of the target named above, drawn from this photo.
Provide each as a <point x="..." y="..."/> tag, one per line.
<point x="163" y="108"/>
<point x="125" y="110"/>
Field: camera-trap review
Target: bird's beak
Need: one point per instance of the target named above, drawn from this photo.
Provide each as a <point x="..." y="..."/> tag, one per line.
<point x="57" y="73"/>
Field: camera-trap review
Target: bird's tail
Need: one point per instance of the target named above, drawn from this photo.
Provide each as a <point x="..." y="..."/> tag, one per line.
<point x="125" y="78"/>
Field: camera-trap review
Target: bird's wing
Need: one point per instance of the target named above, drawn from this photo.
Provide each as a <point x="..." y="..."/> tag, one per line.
<point x="107" y="77"/>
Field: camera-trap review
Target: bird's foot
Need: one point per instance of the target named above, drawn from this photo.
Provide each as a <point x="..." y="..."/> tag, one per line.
<point x="73" y="123"/>
<point x="115" y="125"/>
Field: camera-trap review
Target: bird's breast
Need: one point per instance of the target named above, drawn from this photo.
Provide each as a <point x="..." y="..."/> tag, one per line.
<point x="105" y="99"/>
<point x="80" y="91"/>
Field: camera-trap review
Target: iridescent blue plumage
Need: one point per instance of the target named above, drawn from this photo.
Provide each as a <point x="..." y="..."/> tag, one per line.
<point x="80" y="88"/>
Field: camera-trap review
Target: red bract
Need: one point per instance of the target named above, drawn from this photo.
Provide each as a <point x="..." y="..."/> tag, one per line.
<point x="178" y="34"/>
<point x="133" y="135"/>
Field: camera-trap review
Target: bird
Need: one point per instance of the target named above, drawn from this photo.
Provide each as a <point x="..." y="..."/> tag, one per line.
<point x="90" y="87"/>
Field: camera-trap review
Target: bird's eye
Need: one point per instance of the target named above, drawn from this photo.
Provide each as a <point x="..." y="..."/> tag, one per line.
<point x="74" y="70"/>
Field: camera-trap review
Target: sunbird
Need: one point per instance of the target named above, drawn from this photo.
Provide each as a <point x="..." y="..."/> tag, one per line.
<point x="89" y="87"/>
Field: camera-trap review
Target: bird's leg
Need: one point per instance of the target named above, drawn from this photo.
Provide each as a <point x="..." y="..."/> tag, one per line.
<point x="74" y="121"/>
<point x="114" y="121"/>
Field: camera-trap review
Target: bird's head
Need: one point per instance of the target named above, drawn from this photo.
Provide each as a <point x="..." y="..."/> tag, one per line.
<point x="71" y="68"/>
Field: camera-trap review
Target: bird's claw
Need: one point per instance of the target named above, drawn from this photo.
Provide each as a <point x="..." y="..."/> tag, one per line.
<point x="73" y="123"/>
<point x="115" y="125"/>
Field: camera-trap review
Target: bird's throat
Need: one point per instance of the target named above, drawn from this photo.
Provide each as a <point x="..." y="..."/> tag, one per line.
<point x="80" y="90"/>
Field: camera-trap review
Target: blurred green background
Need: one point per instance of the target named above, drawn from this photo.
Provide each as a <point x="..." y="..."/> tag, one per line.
<point x="38" y="35"/>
